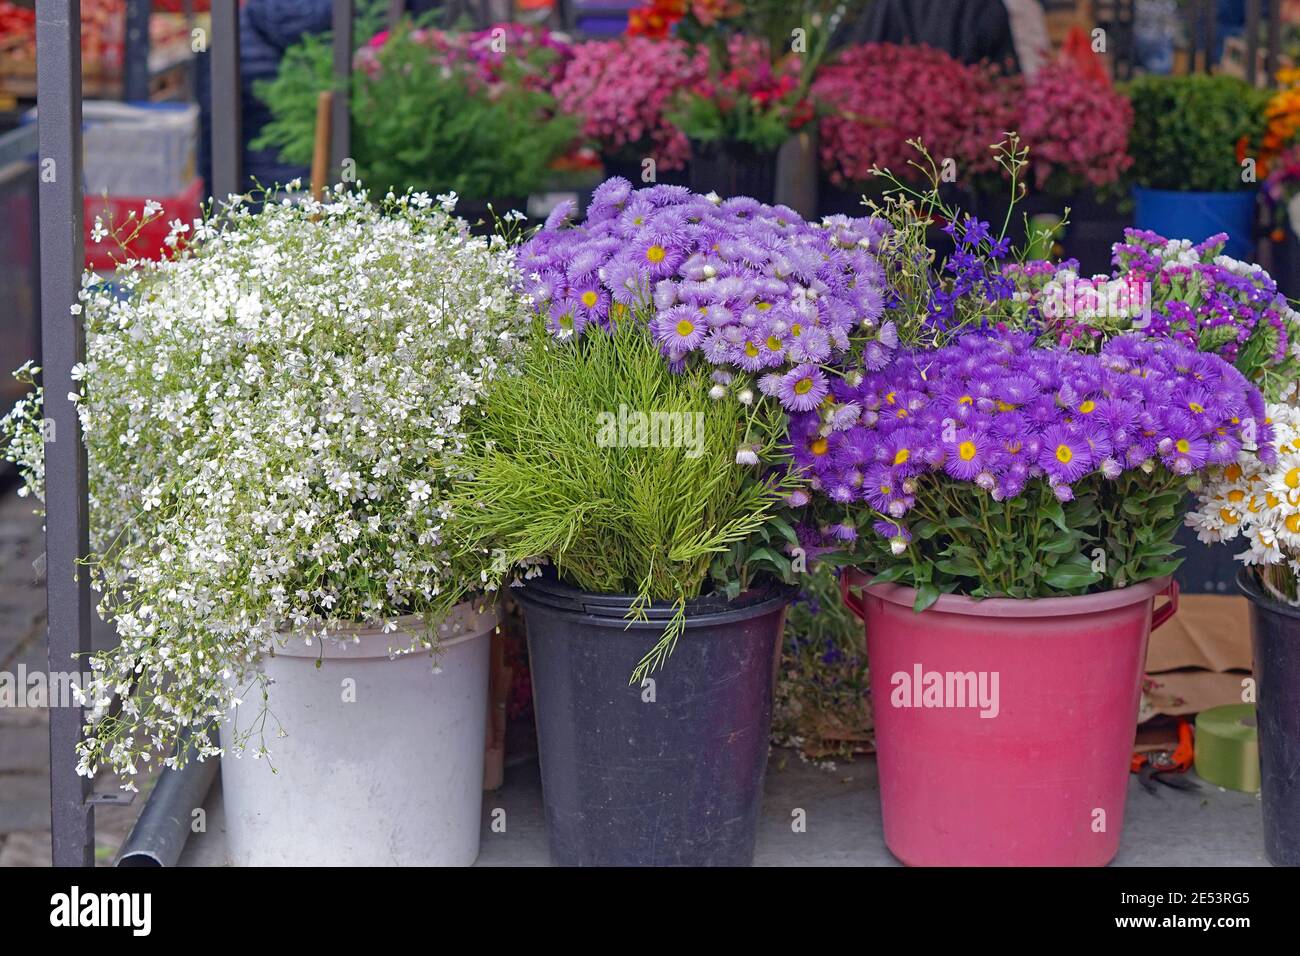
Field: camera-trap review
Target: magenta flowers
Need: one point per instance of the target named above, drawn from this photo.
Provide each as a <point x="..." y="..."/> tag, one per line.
<point x="622" y="90"/>
<point x="750" y="287"/>
<point x="1076" y="128"/>
<point x="880" y="95"/>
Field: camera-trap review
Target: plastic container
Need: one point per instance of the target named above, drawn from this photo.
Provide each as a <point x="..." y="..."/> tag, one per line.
<point x="665" y="773"/>
<point x="383" y="762"/>
<point x="1026" y="761"/>
<point x="733" y="169"/>
<point x="1199" y="215"/>
<point x="1275" y="633"/>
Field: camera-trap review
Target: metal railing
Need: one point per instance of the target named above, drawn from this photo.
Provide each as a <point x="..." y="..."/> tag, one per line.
<point x="63" y="343"/>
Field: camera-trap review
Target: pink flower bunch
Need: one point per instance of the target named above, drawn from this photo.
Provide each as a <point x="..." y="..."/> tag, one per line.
<point x="532" y="56"/>
<point x="877" y="96"/>
<point x="623" y="88"/>
<point x="1076" y="128"/>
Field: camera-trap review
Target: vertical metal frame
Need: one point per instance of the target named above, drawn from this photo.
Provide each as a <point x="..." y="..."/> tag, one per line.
<point x="227" y="94"/>
<point x="340" y="105"/>
<point x="63" y="343"/>
<point x="135" y="54"/>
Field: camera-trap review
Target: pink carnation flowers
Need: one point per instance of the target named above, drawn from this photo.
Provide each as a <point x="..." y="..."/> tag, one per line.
<point x="1076" y="128"/>
<point x="622" y="89"/>
<point x="878" y="96"/>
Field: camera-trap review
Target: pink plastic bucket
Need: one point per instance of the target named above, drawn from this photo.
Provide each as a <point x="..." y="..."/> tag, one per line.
<point x="1004" y="728"/>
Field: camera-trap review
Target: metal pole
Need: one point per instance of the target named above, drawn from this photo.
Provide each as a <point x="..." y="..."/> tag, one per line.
<point x="135" y="54"/>
<point x="341" y="119"/>
<point x="1252" y="41"/>
<point x="63" y="344"/>
<point x="227" y="143"/>
<point x="1274" y="40"/>
<point x="1208" y="14"/>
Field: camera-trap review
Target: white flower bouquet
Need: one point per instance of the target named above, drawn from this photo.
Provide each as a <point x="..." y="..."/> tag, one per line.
<point x="272" y="421"/>
<point x="1260" y="503"/>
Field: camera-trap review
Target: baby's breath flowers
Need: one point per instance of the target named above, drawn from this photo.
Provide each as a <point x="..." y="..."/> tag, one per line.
<point x="273" y="420"/>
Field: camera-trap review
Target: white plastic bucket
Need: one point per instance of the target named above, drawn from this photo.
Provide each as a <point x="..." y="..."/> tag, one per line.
<point x="383" y="762"/>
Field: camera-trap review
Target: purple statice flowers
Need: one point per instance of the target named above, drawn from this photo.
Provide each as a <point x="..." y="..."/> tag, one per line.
<point x="995" y="411"/>
<point x="747" y="286"/>
<point x="1171" y="288"/>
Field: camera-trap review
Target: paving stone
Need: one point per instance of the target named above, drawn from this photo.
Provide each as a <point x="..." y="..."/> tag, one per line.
<point x="24" y="802"/>
<point x="30" y="848"/>
<point x="24" y="748"/>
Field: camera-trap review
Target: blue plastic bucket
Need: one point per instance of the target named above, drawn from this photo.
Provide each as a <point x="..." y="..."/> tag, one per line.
<point x="1199" y="215"/>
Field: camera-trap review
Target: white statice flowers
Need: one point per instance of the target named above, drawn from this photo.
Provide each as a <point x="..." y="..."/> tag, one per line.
<point x="1260" y="504"/>
<point x="272" y="421"/>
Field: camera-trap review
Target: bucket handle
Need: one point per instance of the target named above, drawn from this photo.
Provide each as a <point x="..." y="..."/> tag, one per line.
<point x="1167" y="610"/>
<point x="852" y="601"/>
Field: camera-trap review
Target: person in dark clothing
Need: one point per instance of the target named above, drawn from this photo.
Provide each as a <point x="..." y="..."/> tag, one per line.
<point x="968" y="30"/>
<point x="266" y="29"/>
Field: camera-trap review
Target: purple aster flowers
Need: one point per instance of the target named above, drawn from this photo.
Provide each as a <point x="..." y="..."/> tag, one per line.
<point x="746" y="285"/>
<point x="995" y="411"/>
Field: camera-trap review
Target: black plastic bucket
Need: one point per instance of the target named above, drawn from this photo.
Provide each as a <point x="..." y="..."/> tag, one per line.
<point x="669" y="774"/>
<point x="1275" y="632"/>
<point x="733" y="169"/>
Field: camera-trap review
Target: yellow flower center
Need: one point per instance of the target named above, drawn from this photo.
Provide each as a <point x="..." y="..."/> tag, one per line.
<point x="1064" y="454"/>
<point x="1087" y="407"/>
<point x="1183" y="446"/>
<point x="685" y="327"/>
<point x="965" y="400"/>
<point x="1005" y="407"/>
<point x="1236" y="495"/>
<point x="1292" y="478"/>
<point x="966" y="450"/>
<point x="1232" y="472"/>
<point x="750" y="349"/>
<point x="762" y="306"/>
<point x="773" y="343"/>
<point x="889" y="397"/>
<point x="1197" y="407"/>
<point x="1293" y="523"/>
<point x="796" y="329"/>
<point x="901" y="456"/>
<point x="590" y="298"/>
<point x="819" y="446"/>
<point x="803" y="386"/>
<point x="655" y="253"/>
<point x="1227" y="516"/>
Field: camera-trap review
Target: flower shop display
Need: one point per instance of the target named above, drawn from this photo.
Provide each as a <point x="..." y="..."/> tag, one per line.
<point x="1259" y="503"/>
<point x="1020" y="489"/>
<point x="639" y="458"/>
<point x="436" y="112"/>
<point x="1192" y="137"/>
<point x="623" y="90"/>
<point x="878" y="97"/>
<point x="1076" y="128"/>
<point x="762" y="57"/>
<point x="272" y="422"/>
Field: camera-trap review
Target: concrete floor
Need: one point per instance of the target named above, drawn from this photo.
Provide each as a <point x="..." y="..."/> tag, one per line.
<point x="1210" y="827"/>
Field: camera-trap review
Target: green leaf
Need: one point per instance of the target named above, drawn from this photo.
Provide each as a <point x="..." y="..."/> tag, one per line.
<point x="1068" y="577"/>
<point x="926" y="595"/>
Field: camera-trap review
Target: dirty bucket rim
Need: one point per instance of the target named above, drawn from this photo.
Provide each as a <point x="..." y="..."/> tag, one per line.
<point x="548" y="593"/>
<point x="1013" y="607"/>
<point x="1267" y="602"/>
